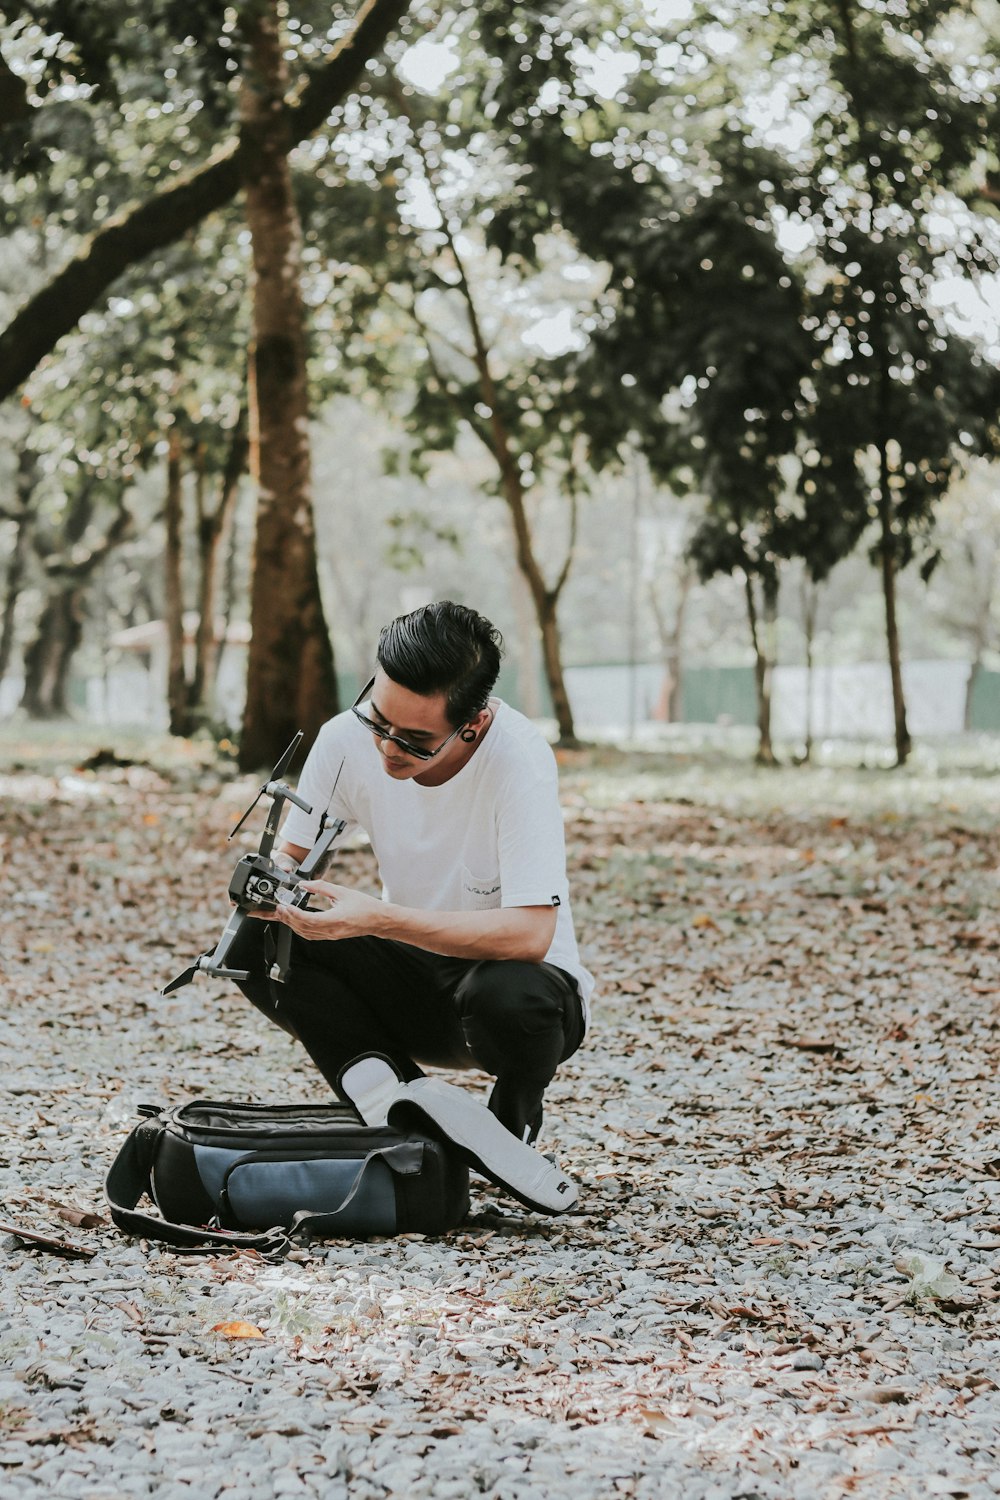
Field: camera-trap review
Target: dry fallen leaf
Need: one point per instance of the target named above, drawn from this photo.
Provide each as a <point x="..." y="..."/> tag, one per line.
<point x="811" y="1044"/>
<point x="80" y="1218"/>
<point x="237" y="1330"/>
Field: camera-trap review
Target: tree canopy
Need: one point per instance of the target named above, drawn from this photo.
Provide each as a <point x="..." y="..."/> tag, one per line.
<point x="733" y="226"/>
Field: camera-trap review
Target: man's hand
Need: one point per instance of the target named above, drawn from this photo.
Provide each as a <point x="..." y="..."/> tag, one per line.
<point x="351" y="913"/>
<point x="522" y="932"/>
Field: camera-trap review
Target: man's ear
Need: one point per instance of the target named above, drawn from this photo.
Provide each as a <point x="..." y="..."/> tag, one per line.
<point x="475" y="726"/>
<point x="482" y="720"/>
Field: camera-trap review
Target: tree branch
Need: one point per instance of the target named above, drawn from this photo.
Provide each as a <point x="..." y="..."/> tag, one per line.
<point x="444" y="384"/>
<point x="574" y="516"/>
<point x="76" y="565"/>
<point x="134" y="233"/>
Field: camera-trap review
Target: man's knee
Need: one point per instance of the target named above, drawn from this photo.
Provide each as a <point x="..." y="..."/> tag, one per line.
<point x="508" y="996"/>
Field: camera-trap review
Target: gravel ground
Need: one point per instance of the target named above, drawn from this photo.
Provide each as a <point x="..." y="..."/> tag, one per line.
<point x="782" y="1277"/>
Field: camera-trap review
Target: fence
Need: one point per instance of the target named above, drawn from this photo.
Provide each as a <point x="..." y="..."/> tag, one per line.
<point x="846" y="701"/>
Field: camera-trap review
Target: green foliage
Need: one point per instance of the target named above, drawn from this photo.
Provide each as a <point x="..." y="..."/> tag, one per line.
<point x="761" y="198"/>
<point x="770" y="308"/>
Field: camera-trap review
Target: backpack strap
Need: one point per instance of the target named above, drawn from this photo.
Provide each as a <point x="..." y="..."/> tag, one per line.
<point x="129" y="1178"/>
<point x="406" y="1159"/>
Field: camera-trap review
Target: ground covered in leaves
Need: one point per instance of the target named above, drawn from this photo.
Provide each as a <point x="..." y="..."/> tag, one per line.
<point x="782" y="1279"/>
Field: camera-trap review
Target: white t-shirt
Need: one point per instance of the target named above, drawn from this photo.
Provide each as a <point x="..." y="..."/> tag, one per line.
<point x="491" y="836"/>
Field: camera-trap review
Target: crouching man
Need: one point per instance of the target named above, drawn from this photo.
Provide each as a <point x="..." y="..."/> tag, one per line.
<point x="470" y="959"/>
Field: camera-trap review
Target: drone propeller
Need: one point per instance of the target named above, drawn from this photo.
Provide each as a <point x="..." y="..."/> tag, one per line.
<point x="181" y="980"/>
<point x="215" y="961"/>
<point x="274" y="776"/>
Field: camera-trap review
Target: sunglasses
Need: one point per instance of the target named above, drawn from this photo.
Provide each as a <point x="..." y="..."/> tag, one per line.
<point x="419" y="752"/>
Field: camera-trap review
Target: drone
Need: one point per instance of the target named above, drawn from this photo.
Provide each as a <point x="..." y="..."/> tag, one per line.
<point x="260" y="885"/>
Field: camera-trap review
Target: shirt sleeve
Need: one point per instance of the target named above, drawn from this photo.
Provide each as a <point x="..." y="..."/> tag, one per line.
<point x="320" y="774"/>
<point x="531" y="840"/>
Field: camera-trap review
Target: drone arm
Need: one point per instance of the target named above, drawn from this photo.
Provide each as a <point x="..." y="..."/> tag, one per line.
<point x="215" y="963"/>
<point x="280" y="794"/>
<point x="310" y="866"/>
<point x="285" y="759"/>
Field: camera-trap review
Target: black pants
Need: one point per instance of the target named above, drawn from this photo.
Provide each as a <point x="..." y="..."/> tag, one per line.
<point x="516" y="1020"/>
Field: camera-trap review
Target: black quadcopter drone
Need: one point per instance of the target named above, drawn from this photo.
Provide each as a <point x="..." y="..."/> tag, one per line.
<point x="260" y="885"/>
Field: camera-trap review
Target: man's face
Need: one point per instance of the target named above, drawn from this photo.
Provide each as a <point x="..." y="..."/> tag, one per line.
<point x="421" y="721"/>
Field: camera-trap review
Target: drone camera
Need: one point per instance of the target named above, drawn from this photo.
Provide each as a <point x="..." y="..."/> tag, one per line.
<point x="259" y="883"/>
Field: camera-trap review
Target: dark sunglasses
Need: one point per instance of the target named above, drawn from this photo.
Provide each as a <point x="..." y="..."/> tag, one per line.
<point x="417" y="751"/>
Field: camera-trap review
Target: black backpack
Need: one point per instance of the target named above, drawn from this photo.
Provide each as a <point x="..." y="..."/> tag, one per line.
<point x="254" y="1175"/>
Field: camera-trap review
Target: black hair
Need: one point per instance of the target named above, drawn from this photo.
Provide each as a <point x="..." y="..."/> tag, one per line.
<point x="444" y="648"/>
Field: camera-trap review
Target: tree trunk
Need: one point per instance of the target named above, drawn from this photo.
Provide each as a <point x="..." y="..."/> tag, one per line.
<point x="674" y="657"/>
<point x="545" y="599"/>
<point x="47" y="660"/>
<point x="984" y="571"/>
<point x="762" y="678"/>
<point x="526" y="646"/>
<point x="810" y="594"/>
<point x="290" y="673"/>
<point x="887" y="558"/>
<point x="60" y="626"/>
<point x="212" y="527"/>
<point x="548" y="627"/>
<point x="671" y="636"/>
<point x="27" y="468"/>
<point x="970" y="691"/>
<point x="173" y="589"/>
<point x="230" y="542"/>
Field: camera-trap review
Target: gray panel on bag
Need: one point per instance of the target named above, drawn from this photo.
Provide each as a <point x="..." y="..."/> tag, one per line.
<point x="262" y="1193"/>
<point x="213" y="1162"/>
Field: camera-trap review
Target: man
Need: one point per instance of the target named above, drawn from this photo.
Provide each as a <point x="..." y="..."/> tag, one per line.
<point x="470" y="958"/>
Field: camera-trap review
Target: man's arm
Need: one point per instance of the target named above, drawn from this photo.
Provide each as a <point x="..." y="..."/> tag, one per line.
<point x="290" y="856"/>
<point x="521" y="932"/>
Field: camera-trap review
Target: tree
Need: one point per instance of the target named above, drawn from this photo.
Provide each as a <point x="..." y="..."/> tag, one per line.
<point x="190" y="692"/>
<point x="100" y="419"/>
<point x="917" y="400"/>
<point x="68" y="568"/>
<point x="138" y="230"/>
<point x="700" y="307"/>
<point x="781" y="282"/>
<point x="291" y="662"/>
<point x="419" y="307"/>
<point x="19" y="516"/>
<point x="730" y="542"/>
<point x="290" y="674"/>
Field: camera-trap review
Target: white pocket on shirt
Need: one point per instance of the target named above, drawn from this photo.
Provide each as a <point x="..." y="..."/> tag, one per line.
<point x="480" y="892"/>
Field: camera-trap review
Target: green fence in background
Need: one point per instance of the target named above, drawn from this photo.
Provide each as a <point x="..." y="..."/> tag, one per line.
<point x="986" y="701"/>
<point x="710" y="695"/>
